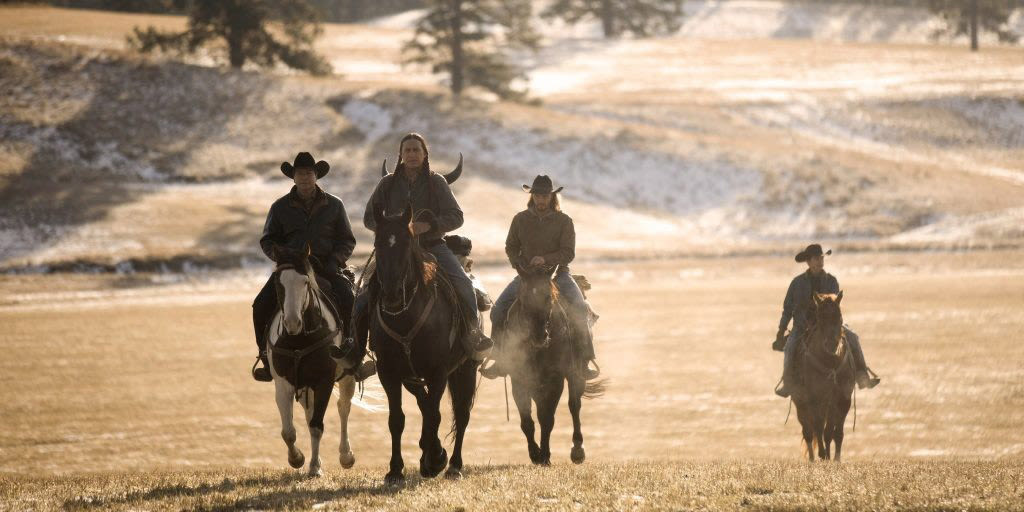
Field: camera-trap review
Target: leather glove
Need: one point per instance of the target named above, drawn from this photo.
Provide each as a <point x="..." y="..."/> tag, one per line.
<point x="780" y="341"/>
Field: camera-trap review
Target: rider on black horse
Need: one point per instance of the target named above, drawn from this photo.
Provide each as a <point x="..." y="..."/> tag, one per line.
<point x="435" y="212"/>
<point x="543" y="235"/>
<point x="799" y="305"/>
<point x="307" y="214"/>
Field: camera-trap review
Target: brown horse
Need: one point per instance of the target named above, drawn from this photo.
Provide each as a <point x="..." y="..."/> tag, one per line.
<point x="541" y="347"/>
<point x="825" y="378"/>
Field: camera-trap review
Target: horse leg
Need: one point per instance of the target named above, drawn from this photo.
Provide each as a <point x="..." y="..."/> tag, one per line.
<point x="346" y="389"/>
<point x="396" y="424"/>
<point x="434" y="458"/>
<point x="807" y="431"/>
<point x="521" y="396"/>
<point x="462" y="385"/>
<point x="819" y="431"/>
<point x="283" y="393"/>
<point x="316" y="408"/>
<point x="546" y="415"/>
<point x="842" y="409"/>
<point x="576" y="386"/>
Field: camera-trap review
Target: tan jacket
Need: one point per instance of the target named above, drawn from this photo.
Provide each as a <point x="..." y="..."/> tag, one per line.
<point x="551" y="236"/>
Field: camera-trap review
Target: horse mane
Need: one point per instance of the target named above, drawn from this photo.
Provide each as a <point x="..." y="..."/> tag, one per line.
<point x="427" y="269"/>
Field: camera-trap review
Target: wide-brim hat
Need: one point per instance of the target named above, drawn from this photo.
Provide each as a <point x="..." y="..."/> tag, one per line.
<point x="303" y="160"/>
<point x="542" y="185"/>
<point x="811" y="251"/>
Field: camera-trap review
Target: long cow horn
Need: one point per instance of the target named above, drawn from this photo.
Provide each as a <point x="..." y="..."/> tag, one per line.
<point x="454" y="175"/>
<point x="384" y="168"/>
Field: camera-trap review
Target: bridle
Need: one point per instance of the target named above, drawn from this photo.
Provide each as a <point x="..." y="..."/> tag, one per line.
<point x="312" y="289"/>
<point x="312" y="292"/>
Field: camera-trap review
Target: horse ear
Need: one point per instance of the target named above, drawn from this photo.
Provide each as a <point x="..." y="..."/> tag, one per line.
<point x="839" y="298"/>
<point x="307" y="250"/>
<point x="817" y="299"/>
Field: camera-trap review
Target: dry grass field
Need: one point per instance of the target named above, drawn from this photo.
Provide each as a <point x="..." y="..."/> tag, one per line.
<point x="132" y="392"/>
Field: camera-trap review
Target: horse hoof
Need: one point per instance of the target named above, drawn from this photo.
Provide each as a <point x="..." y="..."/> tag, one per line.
<point x="427" y="471"/>
<point x="297" y="461"/>
<point x="453" y="474"/>
<point x="315" y="472"/>
<point x="578" y="455"/>
<point x="535" y="456"/>
<point x="394" y="479"/>
<point x="347" y="460"/>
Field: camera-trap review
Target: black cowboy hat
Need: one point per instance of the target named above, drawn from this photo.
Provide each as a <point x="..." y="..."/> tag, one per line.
<point x="303" y="160"/>
<point x="811" y="251"/>
<point x="542" y="185"/>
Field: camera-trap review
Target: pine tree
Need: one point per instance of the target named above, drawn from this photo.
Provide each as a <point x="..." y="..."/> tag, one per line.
<point x="464" y="38"/>
<point x="972" y="16"/>
<point x="261" y="31"/>
<point x="641" y="18"/>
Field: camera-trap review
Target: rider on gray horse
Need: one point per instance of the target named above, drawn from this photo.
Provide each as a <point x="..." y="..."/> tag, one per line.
<point x="436" y="212"/>
<point x="306" y="215"/>
<point x="799" y="305"/>
<point x="544" y="235"/>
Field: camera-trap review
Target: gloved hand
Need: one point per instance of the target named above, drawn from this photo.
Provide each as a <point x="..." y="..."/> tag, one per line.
<point x="780" y="341"/>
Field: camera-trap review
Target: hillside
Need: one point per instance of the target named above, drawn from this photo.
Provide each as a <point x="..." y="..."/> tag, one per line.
<point x="691" y="144"/>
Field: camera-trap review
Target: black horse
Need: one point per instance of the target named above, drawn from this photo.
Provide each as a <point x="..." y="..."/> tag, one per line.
<point x="414" y="329"/>
<point x="826" y="380"/>
<point x="541" y="347"/>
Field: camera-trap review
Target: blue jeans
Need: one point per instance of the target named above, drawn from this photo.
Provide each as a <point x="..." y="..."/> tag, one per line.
<point x="851" y="338"/>
<point x="568" y="290"/>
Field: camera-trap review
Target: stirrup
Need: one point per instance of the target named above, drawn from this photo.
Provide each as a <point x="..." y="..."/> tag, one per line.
<point x="493" y="371"/>
<point x="589" y="374"/>
<point x="365" y="370"/>
<point x="872" y="379"/>
<point x="261" y="374"/>
<point x="781" y="390"/>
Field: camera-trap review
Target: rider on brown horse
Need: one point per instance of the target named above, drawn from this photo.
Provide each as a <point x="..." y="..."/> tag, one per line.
<point x="306" y="215"/>
<point x="799" y="305"/>
<point x="542" y="235"/>
<point x="414" y="184"/>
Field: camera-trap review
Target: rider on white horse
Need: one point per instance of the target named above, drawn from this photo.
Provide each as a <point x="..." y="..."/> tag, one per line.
<point x="306" y="215"/>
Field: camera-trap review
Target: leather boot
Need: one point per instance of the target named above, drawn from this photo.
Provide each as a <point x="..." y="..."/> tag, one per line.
<point x="866" y="380"/>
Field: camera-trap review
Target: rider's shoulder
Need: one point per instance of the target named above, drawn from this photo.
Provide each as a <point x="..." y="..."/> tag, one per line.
<point x="437" y="180"/>
<point x="333" y="199"/>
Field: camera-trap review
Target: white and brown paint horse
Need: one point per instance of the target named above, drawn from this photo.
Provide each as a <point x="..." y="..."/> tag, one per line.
<point x="299" y="336"/>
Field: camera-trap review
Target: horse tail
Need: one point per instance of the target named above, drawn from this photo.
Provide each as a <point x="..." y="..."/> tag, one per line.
<point x="462" y="386"/>
<point x="595" y="389"/>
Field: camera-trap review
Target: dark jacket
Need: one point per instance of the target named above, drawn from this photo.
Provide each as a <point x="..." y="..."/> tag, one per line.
<point x="325" y="227"/>
<point x="551" y="236"/>
<point x="428" y="192"/>
<point x="800" y="299"/>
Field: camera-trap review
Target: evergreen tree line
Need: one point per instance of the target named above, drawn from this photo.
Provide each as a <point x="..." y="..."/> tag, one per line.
<point x="466" y="40"/>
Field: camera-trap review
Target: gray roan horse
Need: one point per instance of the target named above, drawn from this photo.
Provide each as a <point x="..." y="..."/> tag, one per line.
<point x="415" y="332"/>
<point x="826" y="379"/>
<point x="303" y="370"/>
<point x="540" y="350"/>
